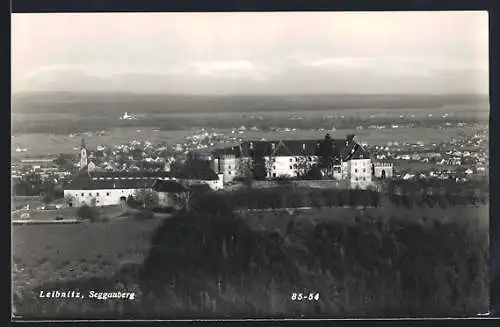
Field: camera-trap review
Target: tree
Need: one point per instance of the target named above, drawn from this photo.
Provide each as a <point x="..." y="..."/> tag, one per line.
<point x="64" y="162"/>
<point x="325" y="155"/>
<point x="48" y="198"/>
<point x="86" y="212"/>
<point x="375" y="198"/>
<point x="147" y="198"/>
<point x="259" y="164"/>
<point x="185" y="199"/>
<point x="302" y="166"/>
<point x="194" y="168"/>
<point x="69" y="200"/>
<point x="245" y="172"/>
<point x="244" y="168"/>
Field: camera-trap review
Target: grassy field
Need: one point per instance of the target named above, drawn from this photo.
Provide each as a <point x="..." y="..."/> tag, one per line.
<point x="56" y="252"/>
<point x="107" y="211"/>
<point x="33" y="201"/>
<point x="279" y="220"/>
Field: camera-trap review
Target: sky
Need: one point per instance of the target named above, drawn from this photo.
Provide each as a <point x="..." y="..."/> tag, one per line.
<point x="252" y="53"/>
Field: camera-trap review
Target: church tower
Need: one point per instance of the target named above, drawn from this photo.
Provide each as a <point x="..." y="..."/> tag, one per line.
<point x="83" y="156"/>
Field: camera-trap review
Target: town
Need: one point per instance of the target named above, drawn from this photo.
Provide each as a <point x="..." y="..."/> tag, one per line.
<point x="460" y="159"/>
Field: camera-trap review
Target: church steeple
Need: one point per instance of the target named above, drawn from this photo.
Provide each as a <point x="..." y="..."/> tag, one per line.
<point x="83" y="155"/>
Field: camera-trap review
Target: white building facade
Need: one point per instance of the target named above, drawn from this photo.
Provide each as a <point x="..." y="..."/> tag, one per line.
<point x="111" y="188"/>
<point x="293" y="158"/>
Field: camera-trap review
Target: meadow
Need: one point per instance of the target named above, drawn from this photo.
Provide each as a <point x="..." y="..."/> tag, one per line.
<point x="44" y="253"/>
<point x="211" y="262"/>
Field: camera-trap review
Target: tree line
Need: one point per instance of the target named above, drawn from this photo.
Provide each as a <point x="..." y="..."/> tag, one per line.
<point x="293" y="197"/>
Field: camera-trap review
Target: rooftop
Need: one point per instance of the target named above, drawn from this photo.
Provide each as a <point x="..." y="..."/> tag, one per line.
<point x="132" y="180"/>
<point x="344" y="149"/>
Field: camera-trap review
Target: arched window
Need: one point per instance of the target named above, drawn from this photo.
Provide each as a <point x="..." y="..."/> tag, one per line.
<point x="383" y="174"/>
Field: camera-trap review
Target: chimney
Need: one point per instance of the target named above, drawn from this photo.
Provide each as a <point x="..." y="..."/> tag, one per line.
<point x="251" y="145"/>
<point x="303" y="146"/>
<point x="273" y="146"/>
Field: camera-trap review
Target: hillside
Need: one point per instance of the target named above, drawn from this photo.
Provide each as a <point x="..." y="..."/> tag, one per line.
<point x="115" y="103"/>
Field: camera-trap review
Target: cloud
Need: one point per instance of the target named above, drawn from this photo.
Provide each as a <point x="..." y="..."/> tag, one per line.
<point x="60" y="77"/>
<point x="241" y="69"/>
<point x="339" y="62"/>
<point x="300" y="72"/>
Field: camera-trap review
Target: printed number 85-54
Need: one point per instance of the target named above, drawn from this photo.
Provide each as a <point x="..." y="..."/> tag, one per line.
<point x="305" y="297"/>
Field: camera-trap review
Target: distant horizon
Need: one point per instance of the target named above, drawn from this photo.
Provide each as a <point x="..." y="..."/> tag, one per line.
<point x="104" y="92"/>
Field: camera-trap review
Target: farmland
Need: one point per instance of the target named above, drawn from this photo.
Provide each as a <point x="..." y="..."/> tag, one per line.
<point x="44" y="126"/>
<point x="44" y="143"/>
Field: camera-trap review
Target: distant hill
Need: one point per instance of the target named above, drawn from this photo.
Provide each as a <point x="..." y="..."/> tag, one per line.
<point x="69" y="102"/>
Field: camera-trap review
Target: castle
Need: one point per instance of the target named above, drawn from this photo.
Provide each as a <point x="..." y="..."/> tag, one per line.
<point x="351" y="161"/>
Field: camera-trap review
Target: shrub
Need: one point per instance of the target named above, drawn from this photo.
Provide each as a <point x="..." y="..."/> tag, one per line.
<point x="164" y="210"/>
<point x="86" y="212"/>
<point x="144" y="214"/>
<point x="283" y="180"/>
<point x="48" y="198"/>
<point x="374" y="198"/>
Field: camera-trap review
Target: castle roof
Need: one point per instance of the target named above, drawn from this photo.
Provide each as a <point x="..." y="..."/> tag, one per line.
<point x="96" y="180"/>
<point x="343" y="149"/>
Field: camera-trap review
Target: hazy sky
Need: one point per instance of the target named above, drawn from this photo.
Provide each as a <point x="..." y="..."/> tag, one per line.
<point x="400" y="52"/>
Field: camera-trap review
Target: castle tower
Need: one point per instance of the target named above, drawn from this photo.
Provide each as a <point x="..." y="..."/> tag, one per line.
<point x="83" y="155"/>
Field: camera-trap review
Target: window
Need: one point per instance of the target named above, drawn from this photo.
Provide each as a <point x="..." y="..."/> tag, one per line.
<point x="229" y="173"/>
<point x="97" y="194"/>
<point x="291" y="159"/>
<point x="90" y="194"/>
<point x="364" y="170"/>
<point x="291" y="167"/>
<point x="310" y="159"/>
<point x="82" y="194"/>
<point x="357" y="179"/>
<point x="274" y="174"/>
<point x="295" y="166"/>
<point x="355" y="170"/>
<point x="274" y="159"/>
<point x="274" y="167"/>
<point x="229" y="166"/>
<point x="364" y="178"/>
<point x="107" y="193"/>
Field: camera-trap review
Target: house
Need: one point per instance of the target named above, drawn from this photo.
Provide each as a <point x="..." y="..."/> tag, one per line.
<point x="109" y="188"/>
<point x="292" y="157"/>
<point x="169" y="193"/>
<point x="382" y="170"/>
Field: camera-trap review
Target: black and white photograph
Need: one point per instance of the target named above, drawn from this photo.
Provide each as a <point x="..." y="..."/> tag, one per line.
<point x="250" y="165"/>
